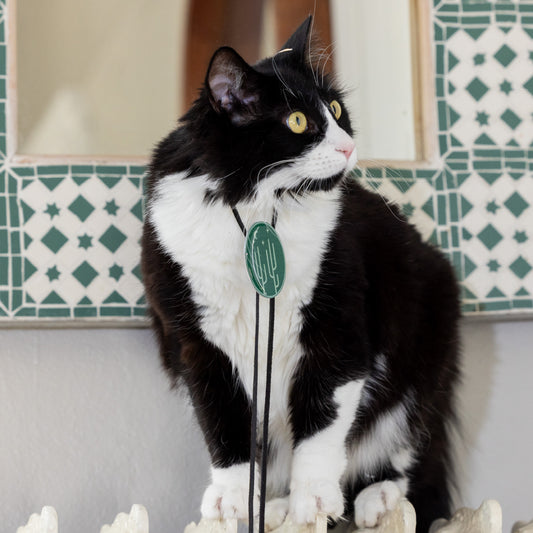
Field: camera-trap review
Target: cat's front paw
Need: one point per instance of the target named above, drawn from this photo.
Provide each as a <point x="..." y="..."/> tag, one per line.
<point x="275" y="513"/>
<point x="313" y="497"/>
<point x="227" y="496"/>
<point x="374" y="501"/>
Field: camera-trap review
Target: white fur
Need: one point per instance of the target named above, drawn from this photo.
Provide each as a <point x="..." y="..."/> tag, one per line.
<point x="275" y="512"/>
<point x="227" y="496"/>
<point x="320" y="461"/>
<point x="374" y="501"/>
<point x="387" y="441"/>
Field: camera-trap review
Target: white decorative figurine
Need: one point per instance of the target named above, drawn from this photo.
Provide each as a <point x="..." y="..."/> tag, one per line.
<point x="486" y="519"/>
<point x="134" y="522"/>
<point x="46" y="522"/>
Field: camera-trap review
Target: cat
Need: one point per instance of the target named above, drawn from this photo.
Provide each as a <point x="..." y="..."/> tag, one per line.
<point x="366" y="345"/>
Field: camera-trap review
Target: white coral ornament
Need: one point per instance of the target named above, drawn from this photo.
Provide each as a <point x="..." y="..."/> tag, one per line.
<point x="207" y="525"/>
<point x="46" y="522"/>
<point x="486" y="519"/>
<point x="523" y="527"/>
<point x="134" y="522"/>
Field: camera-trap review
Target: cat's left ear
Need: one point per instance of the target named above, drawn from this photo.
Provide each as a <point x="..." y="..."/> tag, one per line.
<point x="233" y="86"/>
<point x="299" y="41"/>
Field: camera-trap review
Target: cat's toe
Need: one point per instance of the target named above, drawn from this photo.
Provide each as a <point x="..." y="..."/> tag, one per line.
<point x="374" y="501"/>
<point x="313" y="497"/>
<point x="275" y="513"/>
<point x="224" y="502"/>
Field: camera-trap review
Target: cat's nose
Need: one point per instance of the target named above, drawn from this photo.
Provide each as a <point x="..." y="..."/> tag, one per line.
<point x="346" y="147"/>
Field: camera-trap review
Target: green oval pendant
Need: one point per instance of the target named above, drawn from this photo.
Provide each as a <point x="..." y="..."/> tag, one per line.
<point x="265" y="260"/>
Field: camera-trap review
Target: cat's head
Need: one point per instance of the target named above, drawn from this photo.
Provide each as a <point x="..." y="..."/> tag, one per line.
<point x="277" y="127"/>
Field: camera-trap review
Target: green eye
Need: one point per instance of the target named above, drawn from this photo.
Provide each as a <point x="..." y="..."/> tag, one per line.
<point x="297" y="122"/>
<point x="336" y="109"/>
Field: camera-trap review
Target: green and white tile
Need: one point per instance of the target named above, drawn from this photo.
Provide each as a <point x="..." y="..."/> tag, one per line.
<point x="490" y="87"/>
<point x="81" y="229"/>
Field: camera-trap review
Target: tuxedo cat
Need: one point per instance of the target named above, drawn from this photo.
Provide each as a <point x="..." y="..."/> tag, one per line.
<point x="365" y="353"/>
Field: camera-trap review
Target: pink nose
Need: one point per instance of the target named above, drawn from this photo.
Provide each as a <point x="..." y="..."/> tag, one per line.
<point x="346" y="148"/>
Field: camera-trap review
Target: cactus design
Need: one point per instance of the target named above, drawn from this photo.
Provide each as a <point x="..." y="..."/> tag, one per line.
<point x="265" y="260"/>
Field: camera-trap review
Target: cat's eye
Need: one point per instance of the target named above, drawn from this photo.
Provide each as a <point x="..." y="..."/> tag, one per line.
<point x="335" y="109"/>
<point x="297" y="122"/>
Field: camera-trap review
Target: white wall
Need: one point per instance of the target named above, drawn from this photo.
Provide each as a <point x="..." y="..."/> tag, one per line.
<point x="496" y="409"/>
<point x="88" y="424"/>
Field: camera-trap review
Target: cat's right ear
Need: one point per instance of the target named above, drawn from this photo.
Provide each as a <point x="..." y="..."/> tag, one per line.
<point x="232" y="86"/>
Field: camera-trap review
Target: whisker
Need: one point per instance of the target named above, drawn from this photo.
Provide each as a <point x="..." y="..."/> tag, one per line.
<point x="315" y="77"/>
<point x="280" y="77"/>
<point x="334" y="47"/>
<point x="386" y="201"/>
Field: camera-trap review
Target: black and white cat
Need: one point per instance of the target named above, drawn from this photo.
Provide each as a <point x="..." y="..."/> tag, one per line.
<point x="366" y="342"/>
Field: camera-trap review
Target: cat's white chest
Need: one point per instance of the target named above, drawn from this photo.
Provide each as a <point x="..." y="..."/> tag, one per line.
<point x="207" y="242"/>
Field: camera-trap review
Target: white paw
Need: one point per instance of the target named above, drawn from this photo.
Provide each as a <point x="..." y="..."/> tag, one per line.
<point x="275" y="513"/>
<point x="227" y="496"/>
<point x="315" y="496"/>
<point x="224" y="502"/>
<point x="374" y="501"/>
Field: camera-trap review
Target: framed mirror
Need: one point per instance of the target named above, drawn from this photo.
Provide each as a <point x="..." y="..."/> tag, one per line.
<point x="113" y="78"/>
<point x="82" y="115"/>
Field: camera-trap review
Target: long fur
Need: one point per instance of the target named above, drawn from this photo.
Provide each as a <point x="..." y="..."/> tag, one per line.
<point x="366" y="340"/>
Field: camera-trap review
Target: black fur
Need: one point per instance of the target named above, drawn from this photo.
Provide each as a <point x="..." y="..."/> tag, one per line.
<point x="381" y="290"/>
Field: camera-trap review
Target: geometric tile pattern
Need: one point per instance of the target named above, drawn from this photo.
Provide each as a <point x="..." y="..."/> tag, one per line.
<point x="69" y="234"/>
<point x="81" y="226"/>
<point x="484" y="84"/>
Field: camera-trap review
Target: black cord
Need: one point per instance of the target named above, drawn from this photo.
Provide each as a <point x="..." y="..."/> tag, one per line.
<point x="266" y="412"/>
<point x="253" y="425"/>
<point x="264" y="458"/>
<point x="239" y="220"/>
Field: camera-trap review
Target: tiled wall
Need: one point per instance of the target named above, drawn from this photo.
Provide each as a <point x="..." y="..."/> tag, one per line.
<point x="69" y="234"/>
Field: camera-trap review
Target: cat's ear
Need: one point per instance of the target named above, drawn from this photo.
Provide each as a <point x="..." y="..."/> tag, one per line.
<point x="232" y="86"/>
<point x="299" y="41"/>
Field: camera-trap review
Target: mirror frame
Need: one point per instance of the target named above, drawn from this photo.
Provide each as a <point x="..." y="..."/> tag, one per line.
<point x="442" y="187"/>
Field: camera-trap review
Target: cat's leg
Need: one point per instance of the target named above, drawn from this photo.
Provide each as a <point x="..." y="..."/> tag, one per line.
<point x="223" y="411"/>
<point x="321" y="424"/>
<point x="381" y="491"/>
<point x="431" y="481"/>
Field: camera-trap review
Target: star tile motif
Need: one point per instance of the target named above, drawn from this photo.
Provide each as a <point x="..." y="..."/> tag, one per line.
<point x="52" y="210"/>
<point x="111" y="207"/>
<point x="506" y="87"/>
<point x="492" y="207"/>
<point x="520" y="236"/>
<point x="53" y="273"/>
<point x="482" y="118"/>
<point x="493" y="265"/>
<point x="116" y="272"/>
<point x="85" y="241"/>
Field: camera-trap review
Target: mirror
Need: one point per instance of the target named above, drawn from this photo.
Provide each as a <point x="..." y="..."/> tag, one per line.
<point x="111" y="75"/>
<point x="107" y="73"/>
<point x="373" y="61"/>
